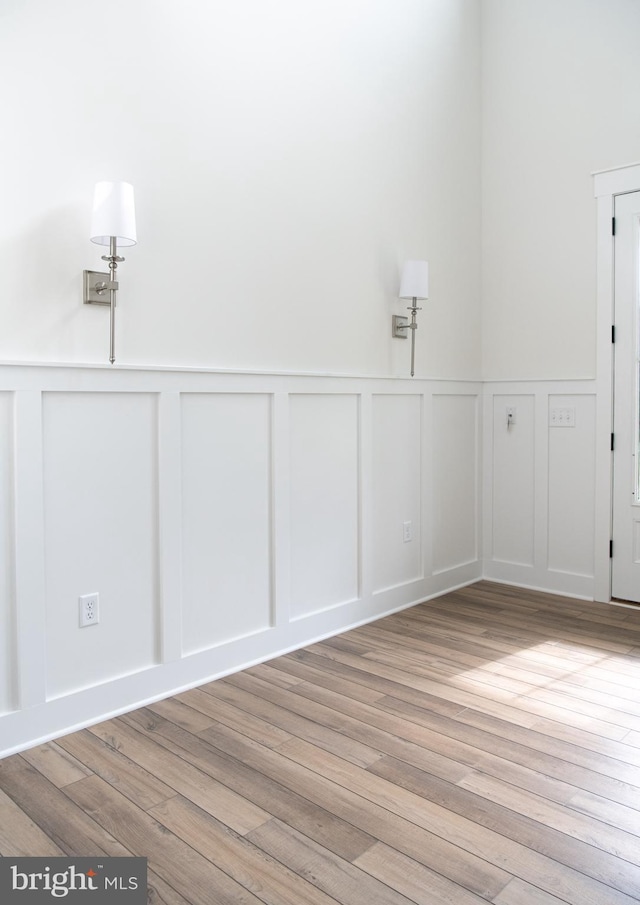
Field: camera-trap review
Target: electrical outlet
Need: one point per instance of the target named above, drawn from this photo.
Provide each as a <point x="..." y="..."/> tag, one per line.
<point x="407" y="532"/>
<point x="89" y="607"/>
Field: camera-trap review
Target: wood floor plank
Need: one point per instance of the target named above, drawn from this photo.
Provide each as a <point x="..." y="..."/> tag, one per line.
<point x="57" y="764"/>
<point x="456" y="651"/>
<point x="160" y="893"/>
<point x="397" y="683"/>
<point x="633" y="739"/>
<point x="20" y="837"/>
<point x="545" y="702"/>
<point x="381" y="733"/>
<point x="138" y="784"/>
<point x="523" y="709"/>
<point x="304" y="721"/>
<point x="483" y="746"/>
<point x="294" y="669"/>
<point x="340" y="879"/>
<point x="518" y="892"/>
<point x="182" y="714"/>
<point x="251" y="866"/>
<point x="405" y="796"/>
<point x="466" y="868"/>
<point x="455" y="745"/>
<point x="290" y="805"/>
<point x="220" y="711"/>
<point x="621" y="816"/>
<point x="582" y="750"/>
<point x="517" y="750"/>
<point x="482" y="657"/>
<point x="419" y="883"/>
<point x="178" y="864"/>
<point x="227" y="804"/>
<point x="68" y="826"/>
<point x="624" y="843"/>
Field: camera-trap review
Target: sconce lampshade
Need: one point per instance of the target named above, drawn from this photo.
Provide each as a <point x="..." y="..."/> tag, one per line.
<point x="113" y="214"/>
<point x="414" y="283"/>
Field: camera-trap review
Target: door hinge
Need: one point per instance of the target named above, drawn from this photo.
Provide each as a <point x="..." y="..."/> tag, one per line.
<point x="613" y="333"/>
<point x="610" y="549"/>
<point x="613" y="226"/>
<point x="613" y="442"/>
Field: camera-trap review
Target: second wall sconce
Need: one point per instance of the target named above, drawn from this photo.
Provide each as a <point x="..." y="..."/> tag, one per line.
<point x="414" y="285"/>
<point x="113" y="223"/>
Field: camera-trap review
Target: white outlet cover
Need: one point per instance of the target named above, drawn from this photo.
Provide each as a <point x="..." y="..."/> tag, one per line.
<point x="89" y="609"/>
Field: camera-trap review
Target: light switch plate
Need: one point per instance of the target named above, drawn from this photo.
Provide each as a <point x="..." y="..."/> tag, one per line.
<point x="562" y="416"/>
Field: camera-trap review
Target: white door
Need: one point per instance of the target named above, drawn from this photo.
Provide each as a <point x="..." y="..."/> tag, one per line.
<point x="625" y="574"/>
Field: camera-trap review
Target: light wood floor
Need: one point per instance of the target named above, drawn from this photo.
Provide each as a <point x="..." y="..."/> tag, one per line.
<point x="482" y="747"/>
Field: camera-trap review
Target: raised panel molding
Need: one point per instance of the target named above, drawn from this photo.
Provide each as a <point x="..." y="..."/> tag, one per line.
<point x="100" y="529"/>
<point x="226" y="495"/>
<point x="572" y="468"/>
<point x="455" y="481"/>
<point x="513" y="479"/>
<point x="325" y="479"/>
<point x="397" y="490"/>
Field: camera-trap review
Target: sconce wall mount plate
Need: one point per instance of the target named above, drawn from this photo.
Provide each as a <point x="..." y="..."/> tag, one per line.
<point x="96" y="286"/>
<point x="399" y="326"/>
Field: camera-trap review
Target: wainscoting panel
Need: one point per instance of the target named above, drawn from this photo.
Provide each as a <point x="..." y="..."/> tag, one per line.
<point x="539" y="485"/>
<point x="226" y="517"/>
<point x="514" y="480"/>
<point x="397" y="492"/>
<point x="100" y="528"/>
<point x="324" y="501"/>
<point x="572" y="473"/>
<point x="7" y="615"/>
<point x="455" y="481"/>
<point x="223" y="518"/>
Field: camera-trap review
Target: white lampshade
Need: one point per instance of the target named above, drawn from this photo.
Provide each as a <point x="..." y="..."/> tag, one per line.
<point x="114" y="214"/>
<point x="415" y="280"/>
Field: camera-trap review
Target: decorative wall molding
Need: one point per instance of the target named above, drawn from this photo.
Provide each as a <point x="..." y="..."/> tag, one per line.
<point x="222" y="517"/>
<point x="226" y="518"/>
<point x="539" y="513"/>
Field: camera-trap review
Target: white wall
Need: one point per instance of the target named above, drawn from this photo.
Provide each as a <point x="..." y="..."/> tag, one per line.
<point x="560" y="99"/>
<point x="287" y="157"/>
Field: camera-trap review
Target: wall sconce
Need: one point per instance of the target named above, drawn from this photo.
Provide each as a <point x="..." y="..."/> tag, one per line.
<point x="414" y="285"/>
<point x="113" y="223"/>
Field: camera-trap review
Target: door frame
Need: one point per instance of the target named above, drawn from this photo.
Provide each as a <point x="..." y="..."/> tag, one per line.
<point x="607" y="184"/>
